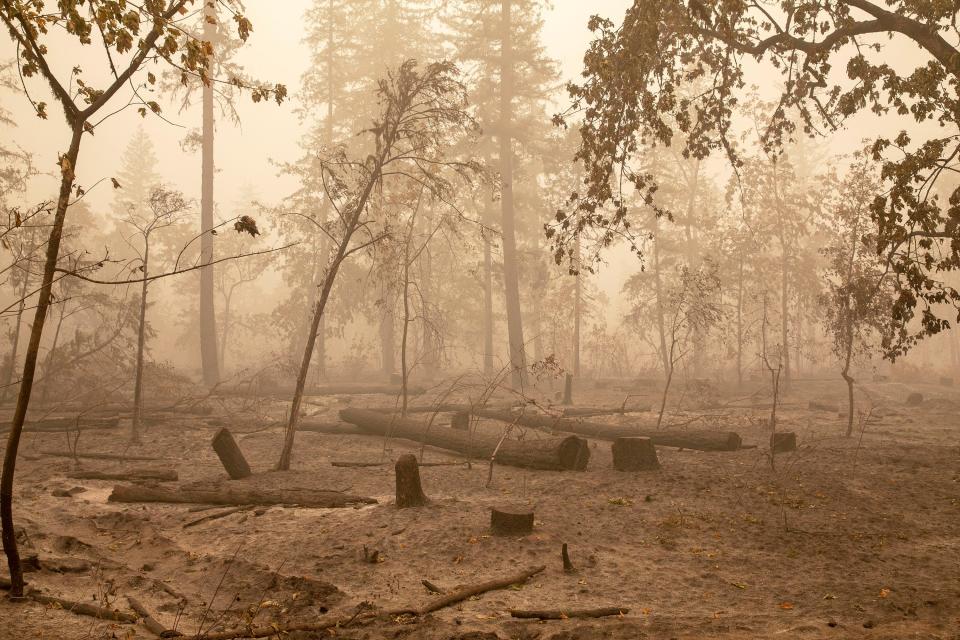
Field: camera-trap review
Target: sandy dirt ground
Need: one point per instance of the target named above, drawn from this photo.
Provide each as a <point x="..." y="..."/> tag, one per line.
<point x="845" y="538"/>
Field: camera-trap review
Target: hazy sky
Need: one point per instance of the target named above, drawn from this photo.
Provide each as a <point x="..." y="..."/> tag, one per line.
<point x="267" y="132"/>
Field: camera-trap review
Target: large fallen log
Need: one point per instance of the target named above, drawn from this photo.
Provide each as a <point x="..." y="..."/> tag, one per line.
<point x="237" y="496"/>
<point x="563" y="453"/>
<point x="700" y="440"/>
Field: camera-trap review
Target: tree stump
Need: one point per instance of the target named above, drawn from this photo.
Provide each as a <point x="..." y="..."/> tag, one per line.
<point x="634" y="454"/>
<point x="409" y="491"/>
<point x="511" y="521"/>
<point x="568" y="389"/>
<point x="460" y="421"/>
<point x="946" y="381"/>
<point x="783" y="441"/>
<point x="230" y="455"/>
<point x="396" y="378"/>
<point x="914" y="399"/>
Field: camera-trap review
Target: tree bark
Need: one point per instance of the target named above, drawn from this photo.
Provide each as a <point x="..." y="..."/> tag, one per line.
<point x="700" y="440"/>
<point x="230" y="455"/>
<point x="409" y="490"/>
<point x="558" y="454"/>
<point x="68" y="169"/>
<point x="511" y="277"/>
<point x="237" y="496"/>
<point x="208" y="319"/>
<point x="141" y="342"/>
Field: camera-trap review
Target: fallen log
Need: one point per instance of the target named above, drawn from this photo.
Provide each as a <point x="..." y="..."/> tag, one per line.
<point x="163" y="475"/>
<point x="332" y="428"/>
<point x="466" y="592"/>
<point x="237" y="496"/>
<point x="700" y="440"/>
<point x="98" y="456"/>
<point x="563" y="614"/>
<point x="565" y="453"/>
<point x="588" y="412"/>
<point x="83" y="609"/>
<point x="215" y="516"/>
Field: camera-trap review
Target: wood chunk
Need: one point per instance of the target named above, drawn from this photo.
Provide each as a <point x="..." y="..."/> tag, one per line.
<point x="511" y="521"/>
<point x="634" y="454"/>
<point x="230" y="455"/>
<point x="914" y="399"/>
<point x="409" y="491"/>
<point x="783" y="441"/>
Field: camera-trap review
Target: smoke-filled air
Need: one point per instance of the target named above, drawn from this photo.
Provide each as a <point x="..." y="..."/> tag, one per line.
<point x="480" y="319"/>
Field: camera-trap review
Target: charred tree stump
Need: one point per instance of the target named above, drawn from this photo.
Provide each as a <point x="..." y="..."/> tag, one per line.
<point x="230" y="455"/>
<point x="511" y="521"/>
<point x="568" y="389"/>
<point x="914" y="399"/>
<point x="783" y="441"/>
<point x="409" y="491"/>
<point x="460" y="421"/>
<point x="634" y="454"/>
<point x="565" y="557"/>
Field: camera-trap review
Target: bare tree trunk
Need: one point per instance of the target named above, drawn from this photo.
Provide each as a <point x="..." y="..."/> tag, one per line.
<point x="208" y="319"/>
<point x="225" y="329"/>
<point x="141" y="342"/>
<point x="658" y="290"/>
<point x="388" y="363"/>
<point x="9" y="538"/>
<point x="47" y="377"/>
<point x="487" y="295"/>
<point x="740" y="321"/>
<point x="15" y="347"/>
<point x="511" y="277"/>
<point x="404" y="371"/>
<point x="577" y="313"/>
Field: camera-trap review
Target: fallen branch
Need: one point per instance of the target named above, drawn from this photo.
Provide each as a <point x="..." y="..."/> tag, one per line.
<point x="215" y="516"/>
<point x="150" y="622"/>
<point x="462" y="594"/>
<point x="83" y="609"/>
<point x="237" y="496"/>
<point x="561" y="614"/>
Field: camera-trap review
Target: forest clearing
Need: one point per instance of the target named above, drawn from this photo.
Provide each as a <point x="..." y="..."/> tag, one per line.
<point x="480" y="319"/>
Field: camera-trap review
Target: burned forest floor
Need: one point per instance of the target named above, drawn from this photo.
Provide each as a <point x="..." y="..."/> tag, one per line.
<point x="842" y="538"/>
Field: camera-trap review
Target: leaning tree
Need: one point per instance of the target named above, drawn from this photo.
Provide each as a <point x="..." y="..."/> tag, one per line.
<point x="137" y="39"/>
<point x="632" y="95"/>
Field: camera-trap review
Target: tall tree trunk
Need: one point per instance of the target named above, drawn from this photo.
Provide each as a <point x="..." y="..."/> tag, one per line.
<point x="511" y="276"/>
<point x="388" y="362"/>
<point x="15" y="347"/>
<point x="208" y="319"/>
<point x="141" y="343"/>
<point x="225" y="329"/>
<point x="487" y="293"/>
<point x="577" y="312"/>
<point x="658" y="291"/>
<point x="740" y="321"/>
<point x="404" y="370"/>
<point x="48" y="376"/>
<point x="8" y="536"/>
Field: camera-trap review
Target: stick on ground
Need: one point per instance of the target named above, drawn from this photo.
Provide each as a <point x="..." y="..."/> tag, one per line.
<point x="150" y="622"/>
<point x="560" y="614"/>
<point x="462" y="594"/>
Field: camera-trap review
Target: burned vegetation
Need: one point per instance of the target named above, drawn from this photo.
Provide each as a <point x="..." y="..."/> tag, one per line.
<point x="434" y="345"/>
